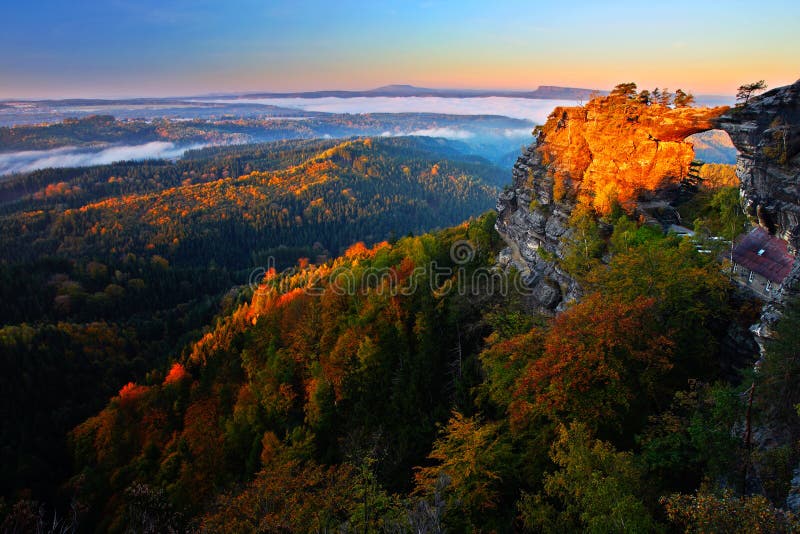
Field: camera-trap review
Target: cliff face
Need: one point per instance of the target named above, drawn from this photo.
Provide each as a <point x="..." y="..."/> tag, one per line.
<point x="529" y="219"/>
<point x="617" y="149"/>
<point x="766" y="132"/>
<point x="613" y="149"/>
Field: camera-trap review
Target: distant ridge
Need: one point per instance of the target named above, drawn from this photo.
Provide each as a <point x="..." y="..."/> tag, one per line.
<point x="545" y="92"/>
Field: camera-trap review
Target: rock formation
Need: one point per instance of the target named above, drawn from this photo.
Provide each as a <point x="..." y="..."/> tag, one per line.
<point x="766" y="132"/>
<point x="532" y="222"/>
<point x="619" y="149"/>
<point x="616" y="149"/>
<point x="613" y="149"/>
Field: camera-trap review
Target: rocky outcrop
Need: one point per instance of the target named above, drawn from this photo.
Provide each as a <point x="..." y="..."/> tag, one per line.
<point x="618" y="149"/>
<point x="533" y="225"/>
<point x="613" y="149"/>
<point x="766" y="132"/>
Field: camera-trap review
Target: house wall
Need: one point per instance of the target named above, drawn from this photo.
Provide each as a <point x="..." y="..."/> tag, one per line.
<point x="756" y="283"/>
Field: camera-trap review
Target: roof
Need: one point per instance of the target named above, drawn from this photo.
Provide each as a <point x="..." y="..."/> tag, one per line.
<point x="764" y="254"/>
<point x="680" y="230"/>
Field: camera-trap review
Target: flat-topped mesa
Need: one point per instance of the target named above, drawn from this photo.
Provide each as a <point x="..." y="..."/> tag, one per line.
<point x="619" y="149"/>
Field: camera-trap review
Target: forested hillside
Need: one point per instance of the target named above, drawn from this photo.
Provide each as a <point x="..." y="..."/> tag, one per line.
<point x="354" y="190"/>
<point x="321" y="267"/>
<point x="282" y="338"/>
<point x="372" y="394"/>
<point x="71" y="187"/>
<point x="488" y="135"/>
<point x="109" y="271"/>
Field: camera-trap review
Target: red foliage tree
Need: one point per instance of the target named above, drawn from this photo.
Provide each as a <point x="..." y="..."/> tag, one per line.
<point x="598" y="356"/>
<point x="176" y="374"/>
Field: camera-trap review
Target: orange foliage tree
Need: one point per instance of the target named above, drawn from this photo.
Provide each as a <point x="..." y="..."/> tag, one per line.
<point x="472" y="458"/>
<point x="288" y="496"/>
<point x="598" y="357"/>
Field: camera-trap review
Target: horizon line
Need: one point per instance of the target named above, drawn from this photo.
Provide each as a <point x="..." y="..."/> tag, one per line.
<point x="239" y="93"/>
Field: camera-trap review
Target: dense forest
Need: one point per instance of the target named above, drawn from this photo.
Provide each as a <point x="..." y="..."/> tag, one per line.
<point x="360" y="189"/>
<point x="305" y="336"/>
<point x="107" y="272"/>
<point x="310" y="408"/>
<point x="406" y="387"/>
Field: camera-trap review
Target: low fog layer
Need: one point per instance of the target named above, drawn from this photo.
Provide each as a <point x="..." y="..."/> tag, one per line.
<point x="518" y="108"/>
<point x="466" y="134"/>
<point x="30" y="160"/>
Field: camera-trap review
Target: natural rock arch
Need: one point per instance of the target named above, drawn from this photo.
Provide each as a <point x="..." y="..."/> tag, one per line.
<point x="615" y="149"/>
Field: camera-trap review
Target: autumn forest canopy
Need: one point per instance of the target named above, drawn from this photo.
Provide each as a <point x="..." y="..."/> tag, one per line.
<point x="177" y="352"/>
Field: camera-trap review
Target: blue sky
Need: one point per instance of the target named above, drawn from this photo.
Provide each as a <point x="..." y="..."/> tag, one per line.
<point x="180" y="47"/>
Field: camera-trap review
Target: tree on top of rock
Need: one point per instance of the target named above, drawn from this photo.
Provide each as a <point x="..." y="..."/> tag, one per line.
<point x="628" y="90"/>
<point x="664" y="98"/>
<point x="683" y="99"/>
<point x="748" y="90"/>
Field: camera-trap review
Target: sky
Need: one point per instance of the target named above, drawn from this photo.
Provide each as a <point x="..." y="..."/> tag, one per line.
<point x="123" y="48"/>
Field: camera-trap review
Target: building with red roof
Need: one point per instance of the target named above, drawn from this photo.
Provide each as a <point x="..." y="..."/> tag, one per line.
<point x="761" y="261"/>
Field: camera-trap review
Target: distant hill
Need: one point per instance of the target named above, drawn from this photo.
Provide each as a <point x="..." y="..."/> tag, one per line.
<point x="227" y="203"/>
<point x="488" y="136"/>
<point x="713" y="146"/>
<point x="545" y="92"/>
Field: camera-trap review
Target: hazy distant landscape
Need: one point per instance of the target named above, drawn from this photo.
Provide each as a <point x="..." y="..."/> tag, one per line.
<point x="494" y="127"/>
<point x="102" y="132"/>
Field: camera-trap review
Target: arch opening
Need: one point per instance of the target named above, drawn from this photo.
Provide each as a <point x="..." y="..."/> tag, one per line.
<point x="713" y="146"/>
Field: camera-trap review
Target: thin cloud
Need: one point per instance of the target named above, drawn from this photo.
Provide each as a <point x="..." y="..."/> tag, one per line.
<point x="72" y="156"/>
<point x="513" y="133"/>
<point x="535" y="110"/>
<point x="447" y="133"/>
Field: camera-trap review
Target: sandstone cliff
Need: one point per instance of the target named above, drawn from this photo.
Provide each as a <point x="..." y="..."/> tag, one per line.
<point x="613" y="149"/>
<point x="530" y="219"/>
<point x="618" y="149"/>
<point x="766" y="132"/>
